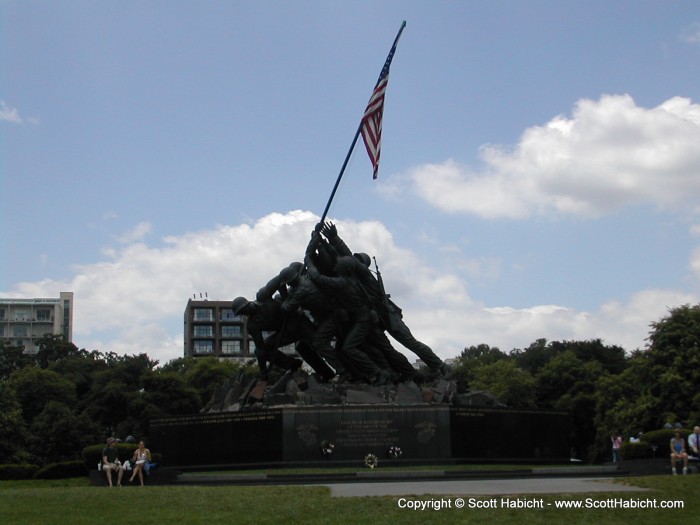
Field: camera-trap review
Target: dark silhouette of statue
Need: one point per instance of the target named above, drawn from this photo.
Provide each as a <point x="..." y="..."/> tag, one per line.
<point x="389" y="313"/>
<point x="265" y="314"/>
<point x="354" y="312"/>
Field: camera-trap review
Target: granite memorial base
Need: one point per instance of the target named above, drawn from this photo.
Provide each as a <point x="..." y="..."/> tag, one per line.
<point x="424" y="433"/>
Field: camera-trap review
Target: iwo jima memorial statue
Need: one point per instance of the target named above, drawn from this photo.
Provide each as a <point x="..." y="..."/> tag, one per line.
<point x="363" y="398"/>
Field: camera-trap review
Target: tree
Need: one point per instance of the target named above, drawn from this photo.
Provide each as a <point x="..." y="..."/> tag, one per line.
<point x="12" y="427"/>
<point x="12" y="358"/>
<point x="472" y="358"/>
<point x="207" y="374"/>
<point x="58" y="434"/>
<point x="611" y="358"/>
<point x="539" y="353"/>
<point x="673" y="360"/>
<point x="53" y="348"/>
<point x="81" y="370"/>
<point x="623" y="404"/>
<point x="116" y="398"/>
<point x="511" y="385"/>
<point x="112" y="401"/>
<point x="568" y="383"/>
<point x="34" y="387"/>
<point x="534" y="356"/>
<point x="168" y="394"/>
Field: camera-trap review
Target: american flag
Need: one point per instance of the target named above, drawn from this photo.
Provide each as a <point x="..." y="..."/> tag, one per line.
<point x="372" y="124"/>
<point x="372" y="119"/>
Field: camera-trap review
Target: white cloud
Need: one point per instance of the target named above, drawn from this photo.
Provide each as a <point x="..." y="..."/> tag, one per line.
<point x="610" y="154"/>
<point x="626" y="324"/>
<point x="691" y="34"/>
<point x="138" y="233"/>
<point x="133" y="301"/>
<point x="9" y="114"/>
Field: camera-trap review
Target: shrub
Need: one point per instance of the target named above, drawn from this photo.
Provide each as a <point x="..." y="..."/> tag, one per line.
<point x="22" y="471"/>
<point x="636" y="451"/>
<point x="65" y="469"/>
<point x="662" y="438"/>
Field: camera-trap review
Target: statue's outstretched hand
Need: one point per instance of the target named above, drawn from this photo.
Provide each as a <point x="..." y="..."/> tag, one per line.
<point x="329" y="230"/>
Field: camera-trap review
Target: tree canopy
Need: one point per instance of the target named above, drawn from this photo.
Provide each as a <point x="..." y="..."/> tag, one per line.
<point x="54" y="402"/>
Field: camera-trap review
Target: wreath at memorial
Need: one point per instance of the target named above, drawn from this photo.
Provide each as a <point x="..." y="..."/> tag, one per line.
<point x="394" y="452"/>
<point x="371" y="460"/>
<point x="327" y="448"/>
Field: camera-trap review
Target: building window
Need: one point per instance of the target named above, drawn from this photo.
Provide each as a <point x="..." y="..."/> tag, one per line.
<point x="43" y="315"/>
<point x="231" y="347"/>
<point x="203" y="347"/>
<point x="20" y="330"/>
<point x="228" y="315"/>
<point x="2" y="314"/>
<point x="203" y="314"/>
<point x="21" y="315"/>
<point x="231" y="331"/>
<point x="2" y="331"/>
<point x="204" y="331"/>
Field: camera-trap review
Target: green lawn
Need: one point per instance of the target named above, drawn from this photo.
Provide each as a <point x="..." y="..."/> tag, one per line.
<point x="74" y="502"/>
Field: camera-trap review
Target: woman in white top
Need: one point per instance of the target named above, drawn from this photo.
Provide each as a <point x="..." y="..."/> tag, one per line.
<point x="140" y="459"/>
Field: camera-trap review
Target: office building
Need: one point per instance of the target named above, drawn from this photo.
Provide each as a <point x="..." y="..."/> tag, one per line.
<point x="24" y="321"/>
<point x="211" y="329"/>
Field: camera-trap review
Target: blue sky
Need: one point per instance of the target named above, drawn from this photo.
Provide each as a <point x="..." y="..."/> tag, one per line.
<point x="539" y="174"/>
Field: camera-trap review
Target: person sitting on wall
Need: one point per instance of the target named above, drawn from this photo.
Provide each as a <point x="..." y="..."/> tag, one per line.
<point x="678" y="452"/>
<point x="110" y="462"/>
<point x="140" y="459"/>
<point x="694" y="442"/>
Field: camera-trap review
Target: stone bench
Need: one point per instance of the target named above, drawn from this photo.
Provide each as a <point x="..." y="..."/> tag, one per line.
<point x="157" y="476"/>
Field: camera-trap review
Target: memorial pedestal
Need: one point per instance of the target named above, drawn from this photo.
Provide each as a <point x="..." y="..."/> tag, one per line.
<point x="424" y="433"/>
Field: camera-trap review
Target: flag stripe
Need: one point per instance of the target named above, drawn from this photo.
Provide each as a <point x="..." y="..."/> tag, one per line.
<point x="372" y="122"/>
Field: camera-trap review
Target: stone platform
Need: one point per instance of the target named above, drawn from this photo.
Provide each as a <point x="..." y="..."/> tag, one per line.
<point x="425" y="433"/>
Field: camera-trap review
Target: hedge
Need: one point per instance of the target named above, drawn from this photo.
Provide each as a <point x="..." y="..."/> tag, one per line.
<point x="22" y="471"/>
<point x="636" y="451"/>
<point x="65" y="469"/>
<point x="662" y="438"/>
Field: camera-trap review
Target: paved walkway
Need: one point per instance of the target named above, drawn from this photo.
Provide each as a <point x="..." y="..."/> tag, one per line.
<point x="491" y="487"/>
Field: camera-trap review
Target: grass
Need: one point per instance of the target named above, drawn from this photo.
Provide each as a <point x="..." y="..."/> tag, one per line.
<point x="73" y="502"/>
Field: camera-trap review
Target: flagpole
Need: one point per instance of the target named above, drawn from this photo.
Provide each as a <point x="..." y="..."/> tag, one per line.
<point x="359" y="128"/>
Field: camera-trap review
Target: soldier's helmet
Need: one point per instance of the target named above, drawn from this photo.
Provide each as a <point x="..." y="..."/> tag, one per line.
<point x="291" y="272"/>
<point x="363" y="257"/>
<point x="238" y="304"/>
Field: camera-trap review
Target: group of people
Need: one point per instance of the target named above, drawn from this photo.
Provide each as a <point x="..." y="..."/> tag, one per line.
<point x="679" y="451"/>
<point x="140" y="461"/>
<point x="335" y="310"/>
